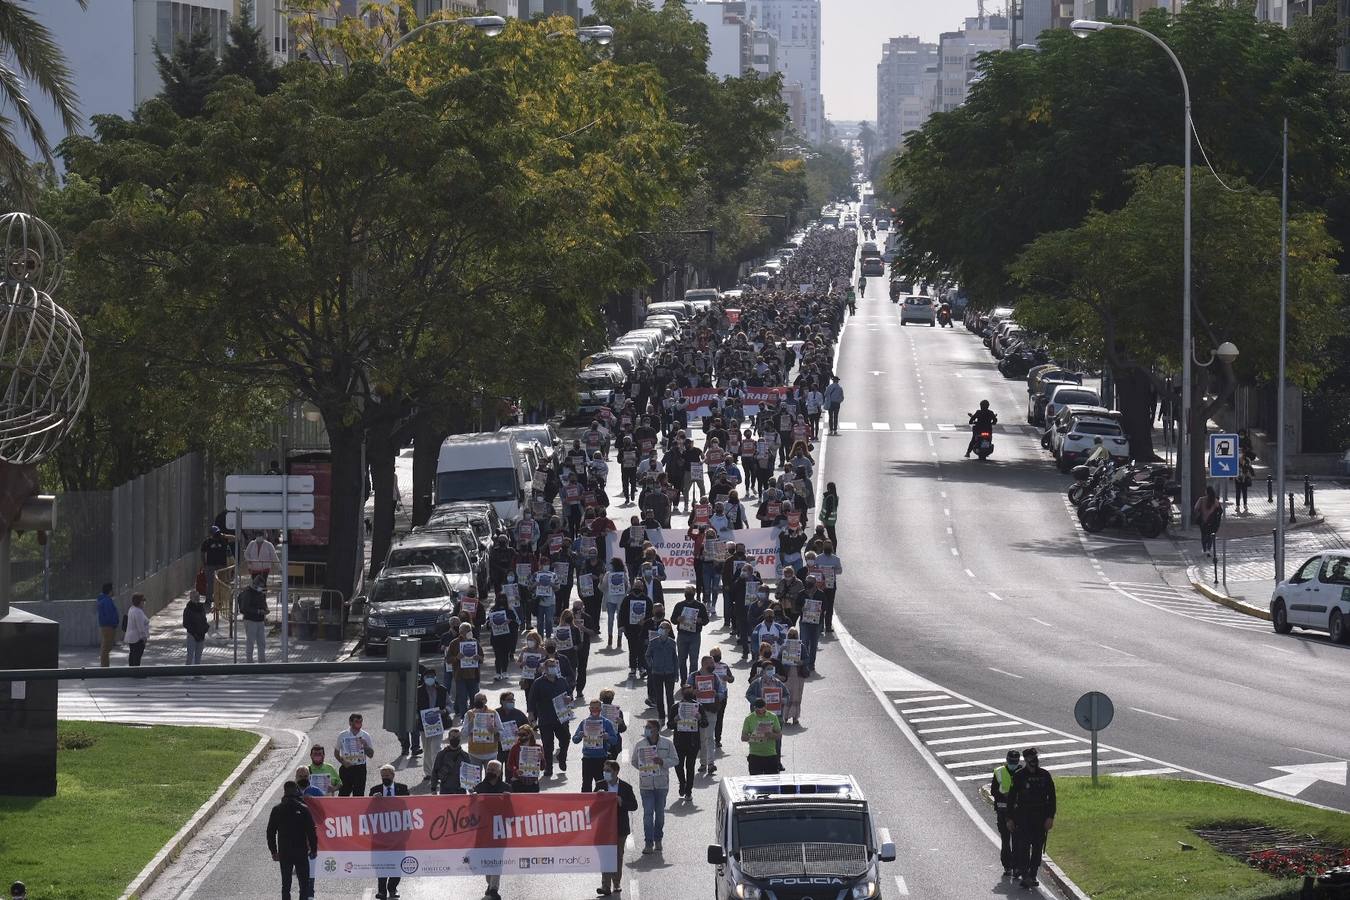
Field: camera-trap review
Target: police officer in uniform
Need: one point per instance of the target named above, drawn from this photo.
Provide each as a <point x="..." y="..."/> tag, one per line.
<point x="1031" y="813"/>
<point x="1000" y="787"/>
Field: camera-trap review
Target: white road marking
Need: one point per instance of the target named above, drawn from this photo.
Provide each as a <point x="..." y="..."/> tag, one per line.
<point x="633" y="890"/>
<point x="955" y="552"/>
<point x="1137" y="772"/>
<point x="1315" y="753"/>
<point x="944" y="494"/>
<point x="987" y="737"/>
<point x="946" y="512"/>
<point x="1156" y="715"/>
<point x="924" y="699"/>
<point x="995" y="596"/>
<point x="1042" y="621"/>
<point x="848" y="426"/>
<point x="901" y="888"/>
<point x="970" y="573"/>
<point x="965" y="764"/>
<point x="981" y="725"/>
<point x="881" y="426"/>
<point x="928" y="709"/>
<point x="979" y="715"/>
<point x="1117" y="650"/>
<point x="914" y="426"/>
<point x="946" y="428"/>
<point x="949" y="529"/>
<point x="1000" y="747"/>
<point x="1002" y="672"/>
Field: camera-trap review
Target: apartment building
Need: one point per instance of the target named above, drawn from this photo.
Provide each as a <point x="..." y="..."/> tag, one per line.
<point x="906" y="79"/>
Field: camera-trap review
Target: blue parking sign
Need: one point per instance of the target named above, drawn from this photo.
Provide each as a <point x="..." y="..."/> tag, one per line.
<point x="1223" y="456"/>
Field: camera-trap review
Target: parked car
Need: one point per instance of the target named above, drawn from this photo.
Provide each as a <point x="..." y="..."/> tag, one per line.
<point x="1068" y="394"/>
<point x="1038" y="392"/>
<point x="412" y="602"/>
<point x="1075" y="432"/>
<point x="916" y="308"/>
<point x="444" y="549"/>
<point x="1316" y="597"/>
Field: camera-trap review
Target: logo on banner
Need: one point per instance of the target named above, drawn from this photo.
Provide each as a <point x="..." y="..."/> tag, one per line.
<point x="330" y="865"/>
<point x="408" y="865"/>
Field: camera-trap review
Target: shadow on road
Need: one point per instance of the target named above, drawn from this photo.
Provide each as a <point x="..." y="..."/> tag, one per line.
<point x="1022" y="474"/>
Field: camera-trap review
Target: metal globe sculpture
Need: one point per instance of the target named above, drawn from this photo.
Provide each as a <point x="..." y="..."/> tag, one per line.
<point x="31" y="252"/>
<point x="44" y="373"/>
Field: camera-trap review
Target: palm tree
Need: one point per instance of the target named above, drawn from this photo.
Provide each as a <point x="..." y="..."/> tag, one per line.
<point x="30" y="55"/>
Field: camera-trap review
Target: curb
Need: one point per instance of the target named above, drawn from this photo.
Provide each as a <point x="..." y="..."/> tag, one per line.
<point x="1052" y="871"/>
<point x="166" y="855"/>
<point x="1198" y="585"/>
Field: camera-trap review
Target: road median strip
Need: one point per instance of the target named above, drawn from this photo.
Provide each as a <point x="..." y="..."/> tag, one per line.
<point x="1214" y="594"/>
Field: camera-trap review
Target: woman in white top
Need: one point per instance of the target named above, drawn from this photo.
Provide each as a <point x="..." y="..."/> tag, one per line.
<point x="138" y="629"/>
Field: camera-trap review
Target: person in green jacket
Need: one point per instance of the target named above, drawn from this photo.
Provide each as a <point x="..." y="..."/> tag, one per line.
<point x="762" y="731"/>
<point x="829" y="512"/>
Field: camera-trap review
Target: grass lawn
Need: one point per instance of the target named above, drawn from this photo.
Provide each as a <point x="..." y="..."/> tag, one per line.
<point x="1120" y="840"/>
<point x="120" y="796"/>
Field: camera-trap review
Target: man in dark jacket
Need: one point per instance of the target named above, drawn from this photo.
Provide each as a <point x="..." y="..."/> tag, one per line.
<point x="493" y="783"/>
<point x="611" y="882"/>
<point x="545" y="706"/>
<point x="388" y="787"/>
<point x="1000" y="786"/>
<point x="293" y="840"/>
<point x="1031" y="814"/>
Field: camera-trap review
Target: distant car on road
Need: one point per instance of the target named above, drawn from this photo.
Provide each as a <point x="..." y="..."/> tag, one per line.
<point x="1316" y="597"/>
<point x="916" y="308"/>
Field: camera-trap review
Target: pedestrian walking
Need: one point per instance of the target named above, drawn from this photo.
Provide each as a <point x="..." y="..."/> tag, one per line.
<point x="354" y="748"/>
<point x="217" y="551"/>
<point x="253" y="610"/>
<point x="1000" y="786"/>
<point x="829" y="512"/>
<point x="1243" y="483"/>
<point x="711" y="693"/>
<point x="108" y="620"/>
<point x="138" y="629"/>
<point x="387" y="888"/>
<point x="762" y="731"/>
<point x="260" y="557"/>
<point x="690" y="616"/>
<point x="1031" y="813"/>
<point x="1208" y="514"/>
<point x="653" y="757"/>
<point x="550" y="701"/>
<point x="195" y="626"/>
<point x="834" y="401"/>
<point x="293" y="840"/>
<point x="611" y="882"/>
<point x="597" y="736"/>
<point x="445" y="771"/>
<point x="493" y="782"/>
<point x="431" y="696"/>
<point x="321" y="773"/>
<point x="662" y="668"/>
<point x="687" y="721"/>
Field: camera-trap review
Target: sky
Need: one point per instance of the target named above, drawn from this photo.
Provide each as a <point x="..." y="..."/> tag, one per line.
<point x="852" y="32"/>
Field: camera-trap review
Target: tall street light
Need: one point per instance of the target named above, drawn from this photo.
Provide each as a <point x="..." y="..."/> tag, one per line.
<point x="488" y="25"/>
<point x="597" y="34"/>
<point x="1083" y="28"/>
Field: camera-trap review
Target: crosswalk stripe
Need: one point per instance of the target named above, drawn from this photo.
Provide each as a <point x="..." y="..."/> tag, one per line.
<point x="1101" y="762"/>
<point x="914" y="426"/>
<point x="928" y="709"/>
<point x="993" y="761"/>
<point x="1135" y="773"/>
<point x="983" y="737"/>
<point x="980" y="715"/>
<point x="968" y="727"/>
<point x="1001" y="747"/>
<point x="926" y="698"/>
<point x="167" y="701"/>
<point x="946" y="428"/>
<point x="848" y="426"/>
<point x="881" y="426"/>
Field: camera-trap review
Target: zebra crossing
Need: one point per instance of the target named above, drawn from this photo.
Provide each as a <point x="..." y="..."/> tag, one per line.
<point x="970" y="739"/>
<point x="172" y="701"/>
<point x="941" y="428"/>
<point x="1188" y="604"/>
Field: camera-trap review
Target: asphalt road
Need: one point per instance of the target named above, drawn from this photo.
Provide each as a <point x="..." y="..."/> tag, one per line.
<point x="980" y="581"/>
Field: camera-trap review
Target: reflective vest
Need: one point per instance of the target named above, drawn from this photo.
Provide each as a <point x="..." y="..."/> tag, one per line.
<point x="1005" y="783"/>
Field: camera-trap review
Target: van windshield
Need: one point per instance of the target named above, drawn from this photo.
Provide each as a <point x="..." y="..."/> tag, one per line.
<point x="476" y="484"/>
<point x="766" y="827"/>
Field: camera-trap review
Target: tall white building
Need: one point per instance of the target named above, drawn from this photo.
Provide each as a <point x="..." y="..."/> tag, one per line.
<point x="958" y="53"/>
<point x="796" y="23"/>
<point x="110" y="48"/>
<point x="729" y="35"/>
<point x="906" y="77"/>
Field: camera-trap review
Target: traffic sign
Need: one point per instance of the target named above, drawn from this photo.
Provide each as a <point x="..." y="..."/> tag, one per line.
<point x="295" y="521"/>
<point x="1094" y="711"/>
<point x="295" y="503"/>
<point x="268" y="484"/>
<point x="1223" y="456"/>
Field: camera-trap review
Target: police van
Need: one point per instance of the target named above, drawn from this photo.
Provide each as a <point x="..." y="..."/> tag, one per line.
<point x="792" y="837"/>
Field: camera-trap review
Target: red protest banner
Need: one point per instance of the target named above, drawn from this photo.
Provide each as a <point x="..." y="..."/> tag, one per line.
<point x="474" y="834"/>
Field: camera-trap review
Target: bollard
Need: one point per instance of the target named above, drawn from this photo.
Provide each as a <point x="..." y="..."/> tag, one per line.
<point x="1225" y="564"/>
<point x="1270" y="488"/>
<point x="1307" y="490"/>
<point x="1214" y="555"/>
<point x="1292" y="517"/>
<point x="1312" y="498"/>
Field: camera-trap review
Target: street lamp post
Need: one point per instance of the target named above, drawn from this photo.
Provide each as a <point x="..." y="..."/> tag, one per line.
<point x="599" y="34"/>
<point x="489" y="25"/>
<point x="1083" y="28"/>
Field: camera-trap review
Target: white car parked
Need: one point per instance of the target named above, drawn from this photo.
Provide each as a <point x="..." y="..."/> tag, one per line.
<point x="1315" y="597"/>
<point x="1077" y="429"/>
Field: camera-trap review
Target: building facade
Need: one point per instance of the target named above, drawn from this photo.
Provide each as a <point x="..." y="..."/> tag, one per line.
<point x="958" y="55"/>
<point x="796" y="25"/>
<point x="906" y="78"/>
<point x="730" y="35"/>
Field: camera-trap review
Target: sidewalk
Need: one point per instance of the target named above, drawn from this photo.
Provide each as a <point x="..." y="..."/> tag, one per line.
<point x="1245" y="546"/>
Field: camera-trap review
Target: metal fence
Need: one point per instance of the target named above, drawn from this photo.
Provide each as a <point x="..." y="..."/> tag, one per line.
<point x="124" y="535"/>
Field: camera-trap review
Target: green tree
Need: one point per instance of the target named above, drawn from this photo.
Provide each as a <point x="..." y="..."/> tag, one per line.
<point x="1117" y="279"/>
<point x="1045" y="137"/>
<point x="29" y="46"/>
<point x="189" y="74"/>
<point x="246" y="55"/>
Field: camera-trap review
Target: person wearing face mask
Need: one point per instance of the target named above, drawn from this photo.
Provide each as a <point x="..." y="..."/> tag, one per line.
<point x="687" y="720"/>
<point x="306" y="789"/>
<point x="662" y="668"/>
<point x="615" y="588"/>
<point x="530" y="658"/>
<point x="1031" y="815"/>
<point x="317" y="766"/>
<point x="464" y="656"/>
<point x="788" y="595"/>
<point x="388" y="787"/>
<point x="634" y="612"/>
<point x="485" y="731"/>
<point x="445" y="770"/>
<point x="723" y="672"/>
<point x="762" y="731"/>
<point x="524" y="780"/>
<point x="1000" y="786"/>
<point x="653" y="757"/>
<point x="795" y="670"/>
<point x="430" y="695"/>
<point x="769" y="631"/>
<point x="512" y="720"/>
<point x="504" y="631"/>
<point x="610" y="710"/>
<point x="599" y="736"/>
<point x="689" y="617"/>
<point x="653" y="574"/>
<point x="611" y="882"/>
<point x="767" y="686"/>
<point x="711" y="693"/>
<point x="550" y="709"/>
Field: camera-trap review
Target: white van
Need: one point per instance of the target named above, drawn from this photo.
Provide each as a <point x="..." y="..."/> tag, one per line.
<point x="486" y="466"/>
